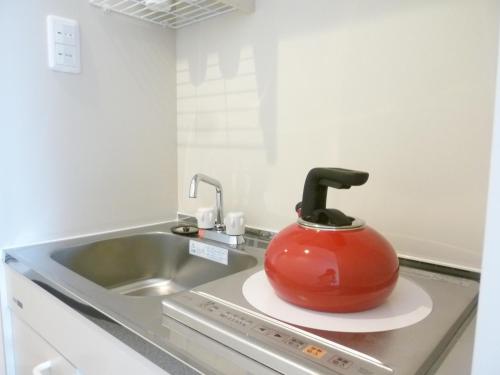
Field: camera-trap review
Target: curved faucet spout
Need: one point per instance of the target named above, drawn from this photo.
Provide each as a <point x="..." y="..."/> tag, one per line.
<point x="193" y="193"/>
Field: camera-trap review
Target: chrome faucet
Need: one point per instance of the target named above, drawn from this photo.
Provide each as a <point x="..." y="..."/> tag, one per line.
<point x="193" y="192"/>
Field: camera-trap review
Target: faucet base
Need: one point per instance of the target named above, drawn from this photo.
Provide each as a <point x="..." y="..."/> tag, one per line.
<point x="214" y="235"/>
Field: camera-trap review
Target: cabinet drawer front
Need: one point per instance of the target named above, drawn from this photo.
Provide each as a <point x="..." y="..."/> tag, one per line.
<point x="84" y="344"/>
<point x="31" y="351"/>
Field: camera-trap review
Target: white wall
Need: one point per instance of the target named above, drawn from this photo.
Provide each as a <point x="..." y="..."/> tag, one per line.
<point x="84" y="153"/>
<point x="487" y="343"/>
<point x="90" y="152"/>
<point x="401" y="89"/>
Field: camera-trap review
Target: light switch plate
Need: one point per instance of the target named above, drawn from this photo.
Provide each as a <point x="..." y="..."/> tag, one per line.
<point x="63" y="40"/>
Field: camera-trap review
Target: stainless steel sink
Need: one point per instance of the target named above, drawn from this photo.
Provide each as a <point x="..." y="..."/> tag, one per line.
<point x="152" y="264"/>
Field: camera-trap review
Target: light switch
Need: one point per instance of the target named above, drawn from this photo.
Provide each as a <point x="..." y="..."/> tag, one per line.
<point x="59" y="54"/>
<point x="64" y="33"/>
<point x="63" y="36"/>
<point x="65" y="55"/>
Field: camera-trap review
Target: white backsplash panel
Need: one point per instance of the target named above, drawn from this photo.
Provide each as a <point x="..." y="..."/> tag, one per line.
<point x="403" y="90"/>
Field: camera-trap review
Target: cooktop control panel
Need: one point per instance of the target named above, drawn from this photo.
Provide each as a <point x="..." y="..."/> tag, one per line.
<point x="265" y="340"/>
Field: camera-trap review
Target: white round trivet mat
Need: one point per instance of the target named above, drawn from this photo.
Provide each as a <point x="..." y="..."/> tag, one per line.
<point x="408" y="304"/>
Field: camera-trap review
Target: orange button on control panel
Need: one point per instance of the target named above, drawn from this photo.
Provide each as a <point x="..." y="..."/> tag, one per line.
<point x="314" y="351"/>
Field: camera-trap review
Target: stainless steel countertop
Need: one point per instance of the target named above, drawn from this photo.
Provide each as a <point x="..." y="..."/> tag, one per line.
<point x="458" y="361"/>
<point x="135" y="321"/>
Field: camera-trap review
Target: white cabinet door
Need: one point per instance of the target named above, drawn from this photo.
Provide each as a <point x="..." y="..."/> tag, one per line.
<point x="33" y="355"/>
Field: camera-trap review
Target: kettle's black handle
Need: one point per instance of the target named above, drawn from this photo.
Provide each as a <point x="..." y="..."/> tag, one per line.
<point x="319" y="179"/>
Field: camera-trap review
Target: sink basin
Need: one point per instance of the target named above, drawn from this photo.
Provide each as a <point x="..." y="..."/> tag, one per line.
<point x="153" y="264"/>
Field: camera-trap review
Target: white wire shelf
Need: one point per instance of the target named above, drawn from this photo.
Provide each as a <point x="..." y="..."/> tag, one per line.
<point x="174" y="13"/>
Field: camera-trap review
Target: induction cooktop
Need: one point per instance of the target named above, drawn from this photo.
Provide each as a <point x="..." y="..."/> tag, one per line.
<point x="219" y="310"/>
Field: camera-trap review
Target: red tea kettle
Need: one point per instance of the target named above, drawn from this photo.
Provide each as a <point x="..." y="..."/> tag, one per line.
<point x="329" y="261"/>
